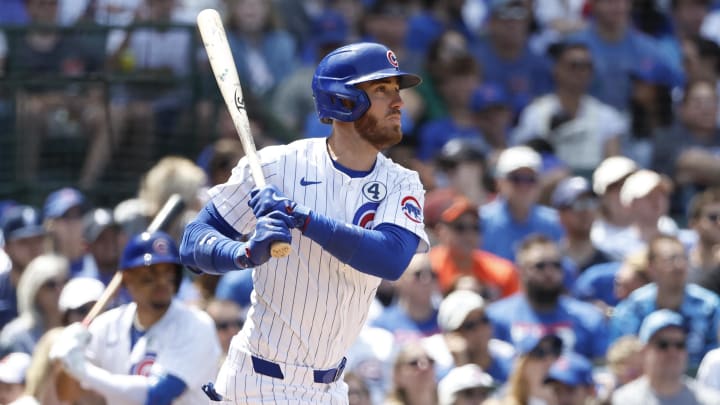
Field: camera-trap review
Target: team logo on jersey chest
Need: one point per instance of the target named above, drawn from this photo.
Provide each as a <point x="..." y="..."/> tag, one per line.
<point x="411" y="208"/>
<point x="374" y="191"/>
<point x="143" y="366"/>
<point x="365" y="215"/>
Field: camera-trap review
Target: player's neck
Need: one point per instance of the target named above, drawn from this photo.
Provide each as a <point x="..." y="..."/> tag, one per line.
<point x="351" y="151"/>
<point x="146" y="317"/>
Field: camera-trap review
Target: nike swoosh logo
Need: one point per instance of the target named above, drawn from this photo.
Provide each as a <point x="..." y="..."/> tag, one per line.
<point x="304" y="182"/>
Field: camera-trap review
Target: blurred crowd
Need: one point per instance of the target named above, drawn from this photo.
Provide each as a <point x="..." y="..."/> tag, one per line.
<point x="569" y="148"/>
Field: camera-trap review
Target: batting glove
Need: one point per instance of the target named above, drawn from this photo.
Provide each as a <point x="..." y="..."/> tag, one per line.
<point x="268" y="199"/>
<point x="274" y="227"/>
<point x="69" y="348"/>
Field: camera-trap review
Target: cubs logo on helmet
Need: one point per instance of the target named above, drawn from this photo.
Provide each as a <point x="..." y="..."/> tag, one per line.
<point x="147" y="249"/>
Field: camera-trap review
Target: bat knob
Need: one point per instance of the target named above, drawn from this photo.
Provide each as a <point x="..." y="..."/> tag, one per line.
<point x="280" y="249"/>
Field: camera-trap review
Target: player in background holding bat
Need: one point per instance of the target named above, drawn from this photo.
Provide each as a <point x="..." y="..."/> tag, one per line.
<point x="355" y="218"/>
<point x="154" y="350"/>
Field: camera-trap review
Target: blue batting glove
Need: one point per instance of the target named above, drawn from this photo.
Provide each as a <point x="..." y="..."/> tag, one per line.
<point x="270" y="228"/>
<point x="270" y="199"/>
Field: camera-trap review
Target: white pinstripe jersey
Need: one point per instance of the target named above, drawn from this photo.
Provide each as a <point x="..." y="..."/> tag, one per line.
<point x="308" y="308"/>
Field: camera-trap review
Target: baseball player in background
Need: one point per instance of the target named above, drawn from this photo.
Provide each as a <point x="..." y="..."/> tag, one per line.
<point x="353" y="217"/>
<point x="154" y="350"/>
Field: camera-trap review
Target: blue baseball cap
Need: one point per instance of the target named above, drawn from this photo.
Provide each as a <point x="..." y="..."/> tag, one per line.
<point x="21" y="221"/>
<point x="489" y="95"/>
<point x="569" y="190"/>
<point x="571" y="369"/>
<point x="654" y="71"/>
<point x="60" y="201"/>
<point x="657" y="321"/>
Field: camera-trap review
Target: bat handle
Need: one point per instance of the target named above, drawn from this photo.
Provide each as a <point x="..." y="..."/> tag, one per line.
<point x="280" y="249"/>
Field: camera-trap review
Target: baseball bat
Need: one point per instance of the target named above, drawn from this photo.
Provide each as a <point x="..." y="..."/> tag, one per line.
<point x="223" y="66"/>
<point x="68" y="389"/>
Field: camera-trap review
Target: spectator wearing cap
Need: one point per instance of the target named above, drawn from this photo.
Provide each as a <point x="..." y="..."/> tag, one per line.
<point x="461" y="167"/>
<point x="62" y="215"/>
<point x="466" y="338"/>
<point x="492" y="107"/>
<point x="515" y="213"/>
<point x="664" y="340"/>
<point x="536" y="354"/>
<point x="615" y="217"/>
<point x="615" y="46"/>
<point x="571" y="380"/>
<point x="577" y="208"/>
<point x="688" y="152"/>
<point x="581" y="129"/>
<point x="542" y="305"/>
<point x="465" y="385"/>
<point x="292" y="102"/>
<point x="229" y="319"/>
<point x="456" y="253"/>
<point x="24" y="237"/>
<point x="700" y="308"/>
<point x="12" y="376"/>
<point x="506" y="56"/>
<point x="77" y="298"/>
<point x="647" y="194"/>
<point x="38" y="299"/>
<point x="413" y="314"/>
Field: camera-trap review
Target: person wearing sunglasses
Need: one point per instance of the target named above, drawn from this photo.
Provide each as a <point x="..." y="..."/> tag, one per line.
<point x="413" y="377"/>
<point x="38" y="293"/>
<point x="467" y="338"/>
<point x="664" y="337"/>
<point x="516" y="213"/>
<point x="228" y="318"/>
<point x="77" y="298"/>
<point x="542" y="304"/>
<point x="456" y="252"/>
<point x="668" y="268"/>
<point x="465" y="385"/>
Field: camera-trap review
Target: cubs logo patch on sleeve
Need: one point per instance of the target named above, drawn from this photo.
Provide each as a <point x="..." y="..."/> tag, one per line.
<point x="411" y="209"/>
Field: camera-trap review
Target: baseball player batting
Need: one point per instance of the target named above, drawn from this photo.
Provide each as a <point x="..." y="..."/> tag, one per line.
<point x="154" y="350"/>
<point x="352" y="216"/>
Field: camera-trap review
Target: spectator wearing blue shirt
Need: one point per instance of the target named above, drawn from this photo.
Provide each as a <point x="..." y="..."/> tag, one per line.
<point x="24" y="240"/>
<point x="700" y="308"/>
<point x="616" y="46"/>
<point x="543" y="308"/>
<point x="506" y="57"/>
<point x="414" y="313"/>
<point x="515" y="213"/>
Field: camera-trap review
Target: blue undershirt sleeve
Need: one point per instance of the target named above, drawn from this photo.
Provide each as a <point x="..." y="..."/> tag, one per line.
<point x="164" y="390"/>
<point x="383" y="252"/>
<point x="210" y="244"/>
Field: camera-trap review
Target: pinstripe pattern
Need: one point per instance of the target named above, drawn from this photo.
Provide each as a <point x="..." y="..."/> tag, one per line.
<point x="309" y="307"/>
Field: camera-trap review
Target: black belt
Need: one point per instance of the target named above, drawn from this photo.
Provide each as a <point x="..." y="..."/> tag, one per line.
<point x="270" y="369"/>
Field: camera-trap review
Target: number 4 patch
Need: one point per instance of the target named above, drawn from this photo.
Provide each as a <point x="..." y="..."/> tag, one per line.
<point x="374" y="191"/>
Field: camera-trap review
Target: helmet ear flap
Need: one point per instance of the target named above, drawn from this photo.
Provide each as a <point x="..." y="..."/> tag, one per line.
<point x="346" y="105"/>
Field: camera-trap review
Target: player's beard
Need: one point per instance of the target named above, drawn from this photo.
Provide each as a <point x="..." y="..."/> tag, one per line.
<point x="380" y="137"/>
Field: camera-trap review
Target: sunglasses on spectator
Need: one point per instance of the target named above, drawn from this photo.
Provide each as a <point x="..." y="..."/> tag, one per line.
<point x="522" y="179"/>
<point x="473" y="393"/>
<point x="664" y="344"/>
<point x="547" y="264"/>
<point x="227" y="324"/>
<point x="472" y="324"/>
<point x="584" y="204"/>
<point x="580" y="64"/>
<point x="461" y="227"/>
<point x="421" y="363"/>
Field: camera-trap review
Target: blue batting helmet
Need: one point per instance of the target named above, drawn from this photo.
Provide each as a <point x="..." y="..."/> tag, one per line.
<point x="340" y="70"/>
<point x="149" y="248"/>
